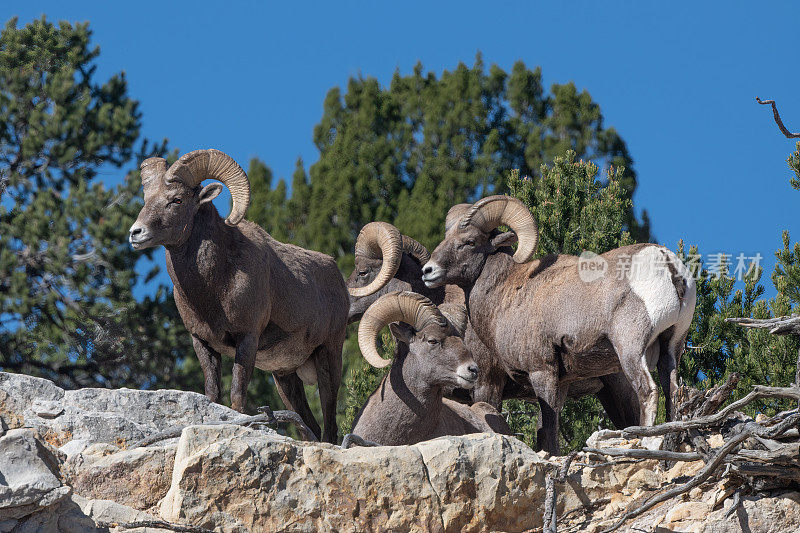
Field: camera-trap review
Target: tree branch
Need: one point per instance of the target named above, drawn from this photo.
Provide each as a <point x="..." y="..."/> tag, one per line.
<point x="782" y="325"/>
<point x="698" y="478"/>
<point x="778" y="121"/>
<point x="759" y="391"/>
<point x="661" y="455"/>
<point x="154" y="524"/>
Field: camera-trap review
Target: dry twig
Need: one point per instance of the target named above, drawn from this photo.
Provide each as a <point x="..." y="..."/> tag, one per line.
<point x="759" y="391"/>
<point x="696" y="480"/>
<point x="549" y="518"/>
<point x="778" y="121"/>
<point x="155" y="524"/>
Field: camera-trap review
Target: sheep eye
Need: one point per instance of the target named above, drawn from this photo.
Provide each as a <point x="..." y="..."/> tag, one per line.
<point x="362" y="273"/>
<point x="176" y="201"/>
<point x="433" y="341"/>
<point x="470" y="242"/>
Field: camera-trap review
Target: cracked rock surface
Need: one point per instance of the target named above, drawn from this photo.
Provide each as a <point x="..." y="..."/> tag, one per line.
<point x="66" y="465"/>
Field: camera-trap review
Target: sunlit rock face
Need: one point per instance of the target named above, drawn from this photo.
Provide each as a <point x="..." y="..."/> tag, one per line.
<point x="67" y="463"/>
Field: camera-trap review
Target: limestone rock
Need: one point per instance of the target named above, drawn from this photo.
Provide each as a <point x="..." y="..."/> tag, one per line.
<point x="235" y="479"/>
<point x="77" y="418"/>
<point x="137" y="478"/>
<point x="447" y="484"/>
<point x="774" y="514"/>
<point x="28" y="475"/>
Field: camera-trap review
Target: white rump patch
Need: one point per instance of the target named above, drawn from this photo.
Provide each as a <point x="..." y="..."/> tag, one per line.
<point x="651" y="280"/>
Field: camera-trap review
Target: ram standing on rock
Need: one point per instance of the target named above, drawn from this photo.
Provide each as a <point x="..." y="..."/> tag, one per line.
<point x="240" y="292"/>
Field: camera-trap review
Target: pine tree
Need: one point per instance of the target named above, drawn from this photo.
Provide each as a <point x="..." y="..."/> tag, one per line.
<point x="406" y="153"/>
<point x="66" y="269"/>
<point x="717" y="348"/>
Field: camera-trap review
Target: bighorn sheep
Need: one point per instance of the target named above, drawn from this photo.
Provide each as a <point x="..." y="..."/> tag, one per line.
<point x="240" y="292"/>
<point x="386" y="260"/>
<point x="408" y="406"/>
<point x="562" y="318"/>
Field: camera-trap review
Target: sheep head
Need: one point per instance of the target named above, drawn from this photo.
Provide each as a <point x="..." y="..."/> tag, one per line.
<point x="173" y="196"/>
<point x="471" y="235"/>
<point x="378" y="254"/>
<point x="430" y="336"/>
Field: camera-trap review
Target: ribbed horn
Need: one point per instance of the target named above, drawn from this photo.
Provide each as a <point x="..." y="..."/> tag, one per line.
<point x="199" y="165"/>
<point x="454" y="214"/>
<point x="152" y="168"/>
<point x="415" y="249"/>
<point x="379" y="240"/>
<point x="409" y="307"/>
<point x="493" y="211"/>
<point x="456" y="314"/>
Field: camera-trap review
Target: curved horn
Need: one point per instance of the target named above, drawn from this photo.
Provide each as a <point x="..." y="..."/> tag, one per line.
<point x="415" y="249"/>
<point x="409" y="307"/>
<point x="152" y="168"/>
<point x="454" y="214"/>
<point x="199" y="165"/>
<point x="379" y="240"/>
<point x="499" y="210"/>
<point x="456" y="314"/>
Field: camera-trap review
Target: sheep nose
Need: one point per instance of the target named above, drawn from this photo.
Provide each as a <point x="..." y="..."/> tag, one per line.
<point x="138" y="234"/>
<point x="473" y="368"/>
<point x="427" y="269"/>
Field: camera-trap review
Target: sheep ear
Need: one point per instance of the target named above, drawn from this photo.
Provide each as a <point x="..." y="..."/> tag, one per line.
<point x="209" y="192"/>
<point x="402" y="332"/>
<point x="504" y="239"/>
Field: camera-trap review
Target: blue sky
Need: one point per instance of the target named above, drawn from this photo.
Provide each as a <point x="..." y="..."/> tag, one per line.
<point x="678" y="80"/>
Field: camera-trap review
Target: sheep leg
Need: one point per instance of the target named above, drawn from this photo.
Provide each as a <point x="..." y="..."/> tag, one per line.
<point x="328" y="362"/>
<point x="551" y="400"/>
<point x="211" y="363"/>
<point x="634" y="364"/>
<point x="668" y="375"/>
<point x="619" y="400"/>
<point x="243" y="365"/>
<point x="291" y="390"/>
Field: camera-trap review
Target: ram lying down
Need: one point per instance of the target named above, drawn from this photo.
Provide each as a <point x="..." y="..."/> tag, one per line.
<point x="430" y="357"/>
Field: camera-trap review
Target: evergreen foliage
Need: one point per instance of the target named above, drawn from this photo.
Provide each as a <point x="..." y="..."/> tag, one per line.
<point x="717" y="348"/>
<point x="362" y="382"/>
<point x="67" y="273"/>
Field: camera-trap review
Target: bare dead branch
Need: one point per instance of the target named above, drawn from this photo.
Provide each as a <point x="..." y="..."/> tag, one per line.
<point x="718" y="395"/>
<point x="759" y="391"/>
<point x="155" y="524"/>
<point x="562" y="474"/>
<point x="737" y="500"/>
<point x="778" y="121"/>
<point x="661" y="455"/>
<point x="786" y="454"/>
<point x="549" y="517"/>
<point x="696" y="480"/>
<point x="782" y="325"/>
